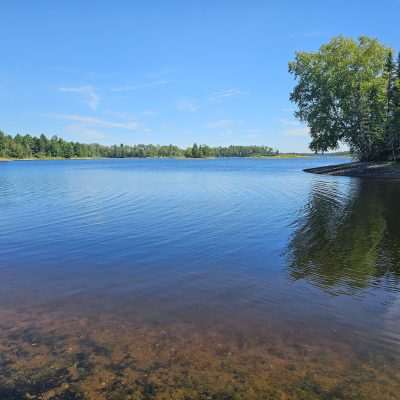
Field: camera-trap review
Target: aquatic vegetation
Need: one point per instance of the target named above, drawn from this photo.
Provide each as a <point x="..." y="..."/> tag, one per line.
<point x="64" y="357"/>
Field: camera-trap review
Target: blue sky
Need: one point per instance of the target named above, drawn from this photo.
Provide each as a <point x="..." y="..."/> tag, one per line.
<point x="165" y="72"/>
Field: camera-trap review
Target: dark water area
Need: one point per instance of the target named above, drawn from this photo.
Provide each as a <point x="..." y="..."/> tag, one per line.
<point x="197" y="279"/>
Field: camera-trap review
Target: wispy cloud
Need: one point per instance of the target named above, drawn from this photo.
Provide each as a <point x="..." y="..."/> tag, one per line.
<point x="222" y="124"/>
<point x="130" y="125"/>
<point x="88" y="93"/>
<point x="84" y="133"/>
<point x="293" y="128"/>
<point x="224" y="127"/>
<point x="144" y="85"/>
<point x="289" y="122"/>
<point x="223" y="94"/>
<point x="149" y="113"/>
<point x="254" y="133"/>
<point x="300" y="131"/>
<point x="238" y="128"/>
<point x="187" y="105"/>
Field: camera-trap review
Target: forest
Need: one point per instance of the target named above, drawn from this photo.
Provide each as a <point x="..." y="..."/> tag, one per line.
<point x="348" y="92"/>
<point x="42" y="147"/>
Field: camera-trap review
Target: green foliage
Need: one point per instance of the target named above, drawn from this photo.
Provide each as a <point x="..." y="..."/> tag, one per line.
<point x="347" y="92"/>
<point x="42" y="147"/>
<point x="394" y="121"/>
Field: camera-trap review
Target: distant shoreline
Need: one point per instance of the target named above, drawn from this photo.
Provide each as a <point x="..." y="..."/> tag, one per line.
<point x="360" y="169"/>
<point x="280" y="156"/>
<point x="50" y="159"/>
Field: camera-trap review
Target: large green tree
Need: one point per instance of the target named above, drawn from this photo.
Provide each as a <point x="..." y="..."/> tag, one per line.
<point x="341" y="94"/>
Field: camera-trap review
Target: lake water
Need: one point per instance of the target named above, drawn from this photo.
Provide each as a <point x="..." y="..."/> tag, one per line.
<point x="197" y="279"/>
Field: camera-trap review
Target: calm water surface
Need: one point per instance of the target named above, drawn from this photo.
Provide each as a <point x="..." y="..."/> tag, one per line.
<point x="197" y="279"/>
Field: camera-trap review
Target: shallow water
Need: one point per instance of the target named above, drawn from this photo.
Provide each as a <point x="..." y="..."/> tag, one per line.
<point x="197" y="279"/>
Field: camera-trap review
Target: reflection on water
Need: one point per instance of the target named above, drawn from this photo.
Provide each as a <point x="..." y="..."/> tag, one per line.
<point x="344" y="244"/>
<point x="217" y="279"/>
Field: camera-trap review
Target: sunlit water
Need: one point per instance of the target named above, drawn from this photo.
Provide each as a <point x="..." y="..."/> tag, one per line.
<point x="197" y="279"/>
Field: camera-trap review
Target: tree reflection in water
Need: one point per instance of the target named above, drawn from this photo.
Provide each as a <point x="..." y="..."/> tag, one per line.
<point x="347" y="242"/>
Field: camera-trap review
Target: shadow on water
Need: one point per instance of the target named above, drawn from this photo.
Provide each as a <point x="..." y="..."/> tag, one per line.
<point x="345" y="243"/>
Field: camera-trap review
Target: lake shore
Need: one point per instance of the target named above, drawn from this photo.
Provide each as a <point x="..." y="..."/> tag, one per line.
<point x="360" y="169"/>
<point x="49" y="159"/>
<point x="271" y="157"/>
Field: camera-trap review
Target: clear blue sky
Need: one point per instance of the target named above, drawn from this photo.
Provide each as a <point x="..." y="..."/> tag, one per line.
<point x="164" y="72"/>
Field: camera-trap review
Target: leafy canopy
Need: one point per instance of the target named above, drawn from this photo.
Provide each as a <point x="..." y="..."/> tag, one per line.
<point x="341" y="94"/>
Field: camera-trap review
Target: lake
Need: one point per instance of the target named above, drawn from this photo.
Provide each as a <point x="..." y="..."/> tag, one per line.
<point x="197" y="279"/>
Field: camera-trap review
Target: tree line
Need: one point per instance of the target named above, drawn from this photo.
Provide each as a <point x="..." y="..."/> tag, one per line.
<point x="349" y="92"/>
<point x="27" y="146"/>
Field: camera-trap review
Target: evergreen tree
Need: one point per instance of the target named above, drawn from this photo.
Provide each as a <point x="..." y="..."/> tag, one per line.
<point x="195" y="151"/>
<point x="390" y="100"/>
<point x="396" y="112"/>
<point x="42" y="147"/>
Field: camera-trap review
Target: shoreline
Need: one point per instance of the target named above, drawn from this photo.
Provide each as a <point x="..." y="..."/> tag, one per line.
<point x="283" y="156"/>
<point x="382" y="169"/>
<point x="49" y="159"/>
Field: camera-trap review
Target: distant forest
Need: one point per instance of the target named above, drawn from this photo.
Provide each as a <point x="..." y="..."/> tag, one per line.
<point x="27" y="146"/>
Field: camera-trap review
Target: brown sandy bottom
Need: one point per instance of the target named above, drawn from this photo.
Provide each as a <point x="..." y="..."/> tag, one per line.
<point x="58" y="356"/>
